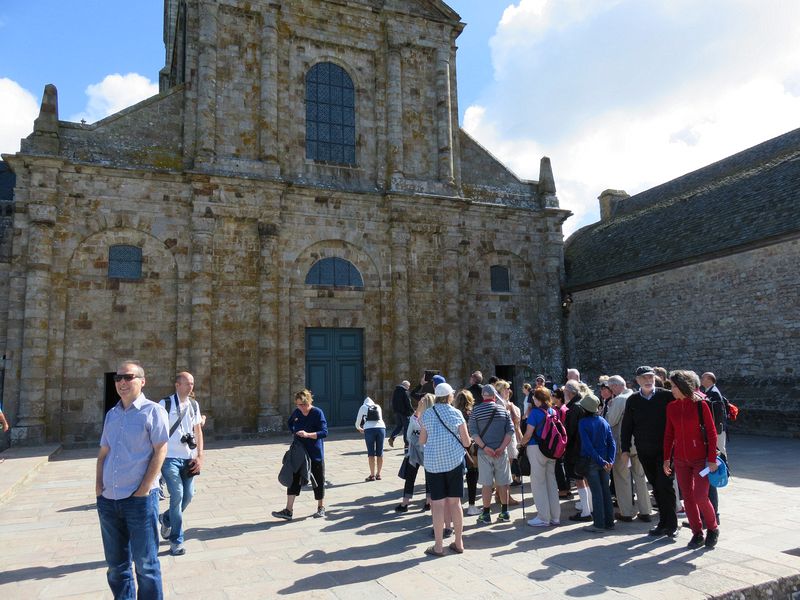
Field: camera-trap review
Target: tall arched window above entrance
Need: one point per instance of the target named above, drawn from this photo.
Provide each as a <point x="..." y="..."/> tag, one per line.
<point x="334" y="272"/>
<point x="330" y="115"/>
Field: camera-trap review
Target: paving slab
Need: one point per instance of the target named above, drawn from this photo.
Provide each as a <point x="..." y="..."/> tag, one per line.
<point x="363" y="549"/>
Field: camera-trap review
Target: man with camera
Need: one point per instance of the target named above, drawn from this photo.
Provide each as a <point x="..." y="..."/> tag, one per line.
<point x="184" y="458"/>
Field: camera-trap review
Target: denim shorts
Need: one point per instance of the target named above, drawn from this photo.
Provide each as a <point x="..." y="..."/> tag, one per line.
<point x="374" y="437"/>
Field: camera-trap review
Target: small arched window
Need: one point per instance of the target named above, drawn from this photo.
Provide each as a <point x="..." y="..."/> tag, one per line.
<point x="125" y="262"/>
<point x="334" y="272"/>
<point x="330" y="115"/>
<point x="500" y="279"/>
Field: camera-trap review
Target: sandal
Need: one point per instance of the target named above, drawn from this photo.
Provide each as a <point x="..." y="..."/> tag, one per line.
<point x="370" y="478"/>
<point x="431" y="551"/>
<point x="377" y="477"/>
<point x="455" y="548"/>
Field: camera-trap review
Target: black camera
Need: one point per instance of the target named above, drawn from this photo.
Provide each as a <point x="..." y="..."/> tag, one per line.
<point x="188" y="439"/>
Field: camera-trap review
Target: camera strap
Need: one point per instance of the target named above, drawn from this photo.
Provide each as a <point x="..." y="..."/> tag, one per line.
<point x="182" y="413"/>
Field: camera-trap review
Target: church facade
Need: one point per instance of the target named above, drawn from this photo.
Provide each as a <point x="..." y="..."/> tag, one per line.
<point x="297" y="207"/>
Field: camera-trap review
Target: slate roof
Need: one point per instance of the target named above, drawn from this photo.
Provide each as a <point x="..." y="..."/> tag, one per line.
<point x="745" y="200"/>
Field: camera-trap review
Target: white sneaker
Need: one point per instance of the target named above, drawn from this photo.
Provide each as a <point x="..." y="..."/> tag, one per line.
<point x="537" y="522"/>
<point x="473" y="510"/>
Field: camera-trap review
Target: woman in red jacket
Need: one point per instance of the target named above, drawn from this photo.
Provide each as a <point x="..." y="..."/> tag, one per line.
<point x="692" y="454"/>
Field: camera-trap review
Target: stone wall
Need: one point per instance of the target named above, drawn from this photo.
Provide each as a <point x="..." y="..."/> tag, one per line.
<point x="263" y="239"/>
<point x="736" y="316"/>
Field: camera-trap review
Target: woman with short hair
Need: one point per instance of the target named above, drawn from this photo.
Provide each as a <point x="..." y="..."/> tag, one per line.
<point x="444" y="435"/>
<point x="309" y="426"/>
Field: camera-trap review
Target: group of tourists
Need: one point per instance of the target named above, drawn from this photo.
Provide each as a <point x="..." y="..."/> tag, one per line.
<point x="608" y="445"/>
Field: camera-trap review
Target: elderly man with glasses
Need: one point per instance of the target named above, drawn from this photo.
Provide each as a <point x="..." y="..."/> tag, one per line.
<point x="132" y="450"/>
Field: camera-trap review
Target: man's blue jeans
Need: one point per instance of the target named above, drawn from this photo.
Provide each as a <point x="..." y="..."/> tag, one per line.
<point x="130" y="533"/>
<point x="602" y="505"/>
<point x="181" y="491"/>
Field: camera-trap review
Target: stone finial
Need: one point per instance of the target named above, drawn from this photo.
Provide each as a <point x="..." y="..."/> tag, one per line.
<point x="44" y="139"/>
<point x="547" y="183"/>
<point x="47" y="121"/>
<point x="609" y="201"/>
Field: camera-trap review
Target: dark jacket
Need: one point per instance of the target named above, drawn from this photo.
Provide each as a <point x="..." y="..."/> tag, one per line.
<point x="421" y="390"/>
<point x="645" y="421"/>
<point x="401" y="402"/>
<point x="575" y="412"/>
<point x="476" y="390"/>
<point x="716" y="403"/>
<point x="296" y="460"/>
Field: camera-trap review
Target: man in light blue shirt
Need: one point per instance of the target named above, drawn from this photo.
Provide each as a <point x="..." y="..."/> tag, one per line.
<point x="132" y="449"/>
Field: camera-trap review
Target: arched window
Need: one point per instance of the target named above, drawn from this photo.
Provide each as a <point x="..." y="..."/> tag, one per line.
<point x="330" y="115"/>
<point x="125" y="262"/>
<point x="500" y="279"/>
<point x="334" y="272"/>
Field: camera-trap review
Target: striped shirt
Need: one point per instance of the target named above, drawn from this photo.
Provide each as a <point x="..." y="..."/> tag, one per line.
<point x="443" y="452"/>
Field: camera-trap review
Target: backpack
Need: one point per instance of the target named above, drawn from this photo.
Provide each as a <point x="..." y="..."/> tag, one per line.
<point x="373" y="414"/>
<point x="553" y="440"/>
<point x="731" y="410"/>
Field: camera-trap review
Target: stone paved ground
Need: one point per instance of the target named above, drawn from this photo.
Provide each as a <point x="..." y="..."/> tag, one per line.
<point x="51" y="545"/>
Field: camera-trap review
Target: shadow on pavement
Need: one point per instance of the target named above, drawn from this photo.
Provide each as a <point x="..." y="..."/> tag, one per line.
<point x="27" y="573"/>
<point x="326" y="580"/>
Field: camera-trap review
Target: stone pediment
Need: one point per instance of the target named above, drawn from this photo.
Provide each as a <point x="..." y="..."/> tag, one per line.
<point x="430" y="9"/>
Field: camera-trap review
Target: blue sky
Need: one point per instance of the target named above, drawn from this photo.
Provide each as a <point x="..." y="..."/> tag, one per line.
<point x="622" y="94"/>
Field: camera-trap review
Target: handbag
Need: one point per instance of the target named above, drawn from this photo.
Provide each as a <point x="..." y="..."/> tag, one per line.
<point x="401" y="473"/>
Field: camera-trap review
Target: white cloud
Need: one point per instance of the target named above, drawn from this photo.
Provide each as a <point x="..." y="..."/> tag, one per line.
<point x="113" y="94"/>
<point x="18" y="109"/>
<point x="630" y="94"/>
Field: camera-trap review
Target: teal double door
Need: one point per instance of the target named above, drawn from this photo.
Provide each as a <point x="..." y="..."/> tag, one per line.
<point x="335" y="372"/>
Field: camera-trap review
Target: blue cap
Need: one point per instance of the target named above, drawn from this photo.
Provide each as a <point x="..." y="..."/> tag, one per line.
<point x="437" y="379"/>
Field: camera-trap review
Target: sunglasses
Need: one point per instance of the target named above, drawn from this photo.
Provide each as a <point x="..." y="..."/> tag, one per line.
<point x="126" y="377"/>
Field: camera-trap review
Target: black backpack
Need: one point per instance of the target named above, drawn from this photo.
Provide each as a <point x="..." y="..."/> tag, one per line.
<point x="373" y="414"/>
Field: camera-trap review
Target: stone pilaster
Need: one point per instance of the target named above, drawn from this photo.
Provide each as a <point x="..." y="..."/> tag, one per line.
<point x="202" y="291"/>
<point x="269" y="414"/>
<point x="394" y="112"/>
<point x="269" y="94"/>
<point x="30" y="427"/>
<point x="206" y="84"/>
<point x="444" y="114"/>
<point x="401" y="363"/>
<point x="452" y="312"/>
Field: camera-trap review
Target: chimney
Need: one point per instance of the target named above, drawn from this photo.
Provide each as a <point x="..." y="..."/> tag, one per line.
<point x="609" y="201"/>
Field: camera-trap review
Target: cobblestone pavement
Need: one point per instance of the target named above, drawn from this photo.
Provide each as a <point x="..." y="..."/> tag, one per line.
<point x="51" y="541"/>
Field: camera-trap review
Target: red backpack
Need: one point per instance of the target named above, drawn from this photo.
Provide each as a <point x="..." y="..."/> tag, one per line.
<point x="553" y="440"/>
